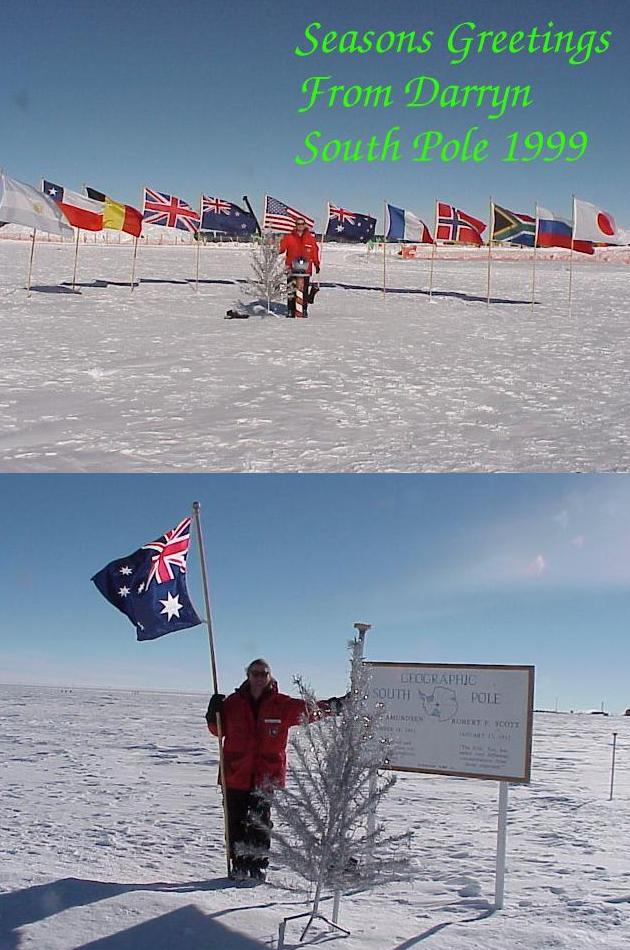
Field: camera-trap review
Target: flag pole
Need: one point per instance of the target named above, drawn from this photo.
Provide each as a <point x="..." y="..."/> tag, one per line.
<point x="324" y="229"/>
<point x="251" y="211"/>
<point x="435" y="217"/>
<point x="199" y="243"/>
<point x="30" y="263"/>
<point x="133" y="263"/>
<point x="534" y="260"/>
<point x="135" y="248"/>
<point x="571" y="251"/>
<point x="76" y="257"/>
<point x="215" y="681"/>
<point x="490" y="248"/>
<point x="384" y="243"/>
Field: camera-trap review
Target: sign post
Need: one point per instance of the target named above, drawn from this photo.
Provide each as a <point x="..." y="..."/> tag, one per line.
<point x="499" y="879"/>
<point x="467" y="720"/>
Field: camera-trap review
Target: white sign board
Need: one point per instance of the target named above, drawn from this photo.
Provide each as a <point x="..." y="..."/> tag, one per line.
<point x="469" y="720"/>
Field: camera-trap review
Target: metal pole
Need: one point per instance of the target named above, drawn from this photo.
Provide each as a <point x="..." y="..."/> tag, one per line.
<point x="76" y="257"/>
<point x="384" y="240"/>
<point x="359" y="644"/>
<point x="215" y="681"/>
<point x="324" y="229"/>
<point x="612" y="767"/>
<point x="490" y="247"/>
<point x="534" y="261"/>
<point x="199" y="243"/>
<point x="435" y="220"/>
<point x="501" y="842"/>
<point x="571" y="251"/>
<point x="133" y="264"/>
<point x="30" y="264"/>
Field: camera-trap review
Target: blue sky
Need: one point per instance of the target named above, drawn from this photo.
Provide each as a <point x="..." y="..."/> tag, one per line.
<point x="201" y="95"/>
<point x="447" y="568"/>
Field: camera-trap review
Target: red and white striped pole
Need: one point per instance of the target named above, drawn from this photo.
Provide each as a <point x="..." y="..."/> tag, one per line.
<point x="299" y="297"/>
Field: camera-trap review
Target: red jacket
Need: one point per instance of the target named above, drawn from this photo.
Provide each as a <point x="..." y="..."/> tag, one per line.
<point x="292" y="245"/>
<point x="255" y="748"/>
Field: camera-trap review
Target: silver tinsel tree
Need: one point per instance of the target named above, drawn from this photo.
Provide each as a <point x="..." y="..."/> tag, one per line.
<point x="268" y="273"/>
<point x="326" y="830"/>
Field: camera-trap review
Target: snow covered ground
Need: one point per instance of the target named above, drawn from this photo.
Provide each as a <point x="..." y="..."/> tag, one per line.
<point x="111" y="839"/>
<point x="159" y="380"/>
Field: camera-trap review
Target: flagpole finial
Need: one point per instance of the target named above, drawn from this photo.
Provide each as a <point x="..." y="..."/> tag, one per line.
<point x="196" y="506"/>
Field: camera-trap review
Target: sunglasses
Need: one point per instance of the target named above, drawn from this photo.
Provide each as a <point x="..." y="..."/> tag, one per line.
<point x="259" y="672"/>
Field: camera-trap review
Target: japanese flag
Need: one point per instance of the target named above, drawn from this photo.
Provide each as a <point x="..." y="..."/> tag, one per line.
<point x="591" y="223"/>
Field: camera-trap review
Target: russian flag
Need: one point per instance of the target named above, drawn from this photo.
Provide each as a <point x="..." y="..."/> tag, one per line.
<point x="401" y="225"/>
<point x="554" y="231"/>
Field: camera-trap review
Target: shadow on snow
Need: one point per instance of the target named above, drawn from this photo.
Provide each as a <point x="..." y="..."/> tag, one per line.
<point x="66" y="288"/>
<point x="187" y="926"/>
<point x="487" y="910"/>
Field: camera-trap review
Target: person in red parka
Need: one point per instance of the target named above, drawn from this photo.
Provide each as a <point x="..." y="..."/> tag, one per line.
<point x="300" y="245"/>
<point x="255" y="723"/>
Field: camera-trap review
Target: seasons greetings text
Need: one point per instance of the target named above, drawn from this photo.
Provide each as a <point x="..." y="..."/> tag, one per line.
<point x="422" y="91"/>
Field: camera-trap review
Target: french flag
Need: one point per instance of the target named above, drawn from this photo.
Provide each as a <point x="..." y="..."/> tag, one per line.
<point x="554" y="231"/>
<point x="401" y="225"/>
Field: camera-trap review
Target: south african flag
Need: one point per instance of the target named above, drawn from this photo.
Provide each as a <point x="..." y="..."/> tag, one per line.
<point x="515" y="228"/>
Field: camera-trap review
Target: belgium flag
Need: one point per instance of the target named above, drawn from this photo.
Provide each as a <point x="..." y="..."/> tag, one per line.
<point x="117" y="216"/>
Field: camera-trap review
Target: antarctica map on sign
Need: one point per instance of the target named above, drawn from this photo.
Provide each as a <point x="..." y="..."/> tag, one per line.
<point x="441" y="703"/>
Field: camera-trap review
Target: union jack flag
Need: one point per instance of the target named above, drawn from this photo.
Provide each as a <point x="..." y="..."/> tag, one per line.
<point x="153" y="608"/>
<point x="215" y="205"/>
<point x="340" y="214"/>
<point x="172" y="549"/>
<point x="281" y="217"/>
<point x="458" y="226"/>
<point x="169" y="211"/>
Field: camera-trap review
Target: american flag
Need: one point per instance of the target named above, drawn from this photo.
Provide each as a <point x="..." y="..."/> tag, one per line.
<point x="172" y="549"/>
<point x="280" y="217"/>
<point x="169" y="211"/>
<point x="458" y="226"/>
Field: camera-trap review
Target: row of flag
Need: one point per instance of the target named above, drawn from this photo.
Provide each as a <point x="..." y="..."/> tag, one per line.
<point x="56" y="208"/>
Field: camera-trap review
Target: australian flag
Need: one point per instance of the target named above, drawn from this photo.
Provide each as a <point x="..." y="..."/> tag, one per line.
<point x="348" y="225"/>
<point x="228" y="218"/>
<point x="149" y="586"/>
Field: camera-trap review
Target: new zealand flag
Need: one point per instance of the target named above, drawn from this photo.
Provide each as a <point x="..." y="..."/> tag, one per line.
<point x="149" y="586"/>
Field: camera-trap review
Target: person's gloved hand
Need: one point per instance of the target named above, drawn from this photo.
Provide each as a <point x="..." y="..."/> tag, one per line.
<point x="336" y="703"/>
<point x="317" y="268"/>
<point x="214" y="707"/>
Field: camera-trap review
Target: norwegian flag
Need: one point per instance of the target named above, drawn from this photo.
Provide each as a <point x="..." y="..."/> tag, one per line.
<point x="457" y="226"/>
<point x="281" y="217"/>
<point x="169" y="211"/>
<point x="149" y="586"/>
